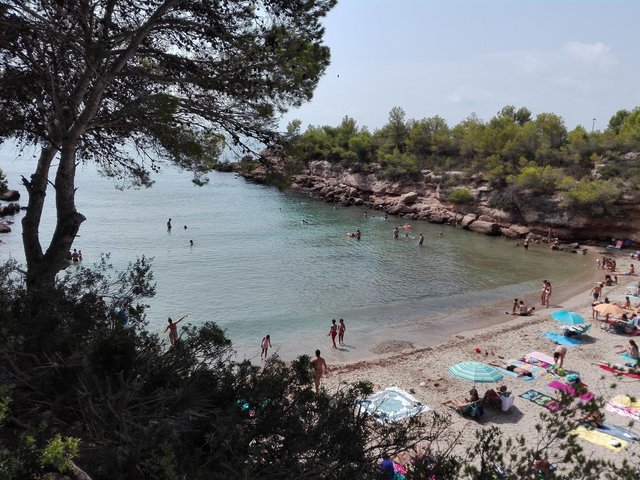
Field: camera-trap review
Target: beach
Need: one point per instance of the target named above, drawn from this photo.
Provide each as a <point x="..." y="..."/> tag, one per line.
<point x="425" y="370"/>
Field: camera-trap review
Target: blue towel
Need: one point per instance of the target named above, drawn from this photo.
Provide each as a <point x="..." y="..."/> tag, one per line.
<point x="562" y="340"/>
<point x="513" y="374"/>
<point x="626" y="356"/>
<point x="621" y="433"/>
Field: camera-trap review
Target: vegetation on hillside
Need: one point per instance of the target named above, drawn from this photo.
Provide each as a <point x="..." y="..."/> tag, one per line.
<point x="514" y="151"/>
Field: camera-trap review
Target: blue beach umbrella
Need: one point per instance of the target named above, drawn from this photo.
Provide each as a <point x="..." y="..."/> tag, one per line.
<point x="565" y="316"/>
<point x="476" y="372"/>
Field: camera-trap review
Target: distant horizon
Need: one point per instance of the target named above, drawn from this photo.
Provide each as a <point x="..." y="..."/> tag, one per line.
<point x="574" y="58"/>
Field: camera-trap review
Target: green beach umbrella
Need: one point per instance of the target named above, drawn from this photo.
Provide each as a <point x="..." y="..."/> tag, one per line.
<point x="476" y="372"/>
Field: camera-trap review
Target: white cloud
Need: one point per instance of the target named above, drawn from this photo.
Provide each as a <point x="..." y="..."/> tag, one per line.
<point x="589" y="54"/>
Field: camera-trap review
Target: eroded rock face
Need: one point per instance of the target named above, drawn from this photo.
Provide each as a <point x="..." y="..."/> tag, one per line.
<point x="421" y="199"/>
<point x="4" y="228"/>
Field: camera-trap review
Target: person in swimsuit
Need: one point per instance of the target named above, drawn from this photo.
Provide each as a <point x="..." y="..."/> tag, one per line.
<point x="333" y="332"/>
<point x="266" y="343"/>
<point x="420" y="240"/>
<point x="341" y="329"/>
<point x="396" y="233"/>
<point x="515" y="369"/>
<point x="558" y="355"/>
<point x="319" y="368"/>
<point x="546" y="293"/>
<point x="169" y="224"/>
<point x="173" y="329"/>
<point x="596" y="291"/>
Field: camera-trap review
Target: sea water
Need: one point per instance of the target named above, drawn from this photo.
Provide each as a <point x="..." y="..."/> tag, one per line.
<point x="270" y="262"/>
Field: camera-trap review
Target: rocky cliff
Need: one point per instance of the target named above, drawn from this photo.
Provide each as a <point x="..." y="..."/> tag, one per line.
<point x="423" y="199"/>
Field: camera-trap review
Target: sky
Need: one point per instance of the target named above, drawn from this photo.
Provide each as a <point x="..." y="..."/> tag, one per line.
<point x="579" y="59"/>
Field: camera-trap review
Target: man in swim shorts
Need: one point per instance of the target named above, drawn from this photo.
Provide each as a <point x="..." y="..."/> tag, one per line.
<point x="319" y="368"/>
<point x="333" y="332"/>
<point x="341" y="329"/>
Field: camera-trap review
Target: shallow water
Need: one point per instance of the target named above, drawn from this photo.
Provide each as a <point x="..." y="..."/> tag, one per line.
<point x="256" y="268"/>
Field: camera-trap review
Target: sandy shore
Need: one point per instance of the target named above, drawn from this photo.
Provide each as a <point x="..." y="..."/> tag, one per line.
<point x="425" y="369"/>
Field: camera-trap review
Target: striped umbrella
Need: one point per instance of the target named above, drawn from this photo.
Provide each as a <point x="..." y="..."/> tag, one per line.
<point x="476" y="372"/>
<point x="566" y="316"/>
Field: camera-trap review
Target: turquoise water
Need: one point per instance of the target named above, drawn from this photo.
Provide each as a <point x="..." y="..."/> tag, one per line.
<point x="256" y="268"/>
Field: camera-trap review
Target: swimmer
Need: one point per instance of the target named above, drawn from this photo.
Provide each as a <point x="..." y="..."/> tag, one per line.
<point x="396" y="233"/>
<point x="420" y="240"/>
<point x="185" y="227"/>
<point x="191" y="243"/>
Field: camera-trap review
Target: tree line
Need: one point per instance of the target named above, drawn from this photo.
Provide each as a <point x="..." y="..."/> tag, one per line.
<point x="514" y="152"/>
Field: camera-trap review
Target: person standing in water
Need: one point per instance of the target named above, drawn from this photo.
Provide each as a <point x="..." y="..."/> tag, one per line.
<point x="173" y="329"/>
<point x="546" y="293"/>
<point x="169" y="224"/>
<point x="358" y="234"/>
<point x="266" y="343"/>
<point x="319" y="368"/>
<point x="396" y="233"/>
<point x="341" y="329"/>
<point x="420" y="240"/>
<point x="333" y="332"/>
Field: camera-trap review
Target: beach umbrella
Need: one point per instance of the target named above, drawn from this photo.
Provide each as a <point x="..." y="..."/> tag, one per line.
<point x="476" y="372"/>
<point x="609" y="308"/>
<point x="566" y="316"/>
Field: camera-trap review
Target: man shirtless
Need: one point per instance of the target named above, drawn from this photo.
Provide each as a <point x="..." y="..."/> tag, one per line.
<point x="319" y="368"/>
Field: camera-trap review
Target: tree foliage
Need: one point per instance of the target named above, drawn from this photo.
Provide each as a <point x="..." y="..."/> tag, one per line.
<point x="129" y="84"/>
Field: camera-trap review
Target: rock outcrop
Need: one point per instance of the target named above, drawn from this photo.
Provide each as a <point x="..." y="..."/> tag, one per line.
<point x="422" y="199"/>
<point x="10" y="196"/>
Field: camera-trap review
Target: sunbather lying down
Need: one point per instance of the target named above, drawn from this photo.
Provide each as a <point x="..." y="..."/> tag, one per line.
<point x="515" y="369"/>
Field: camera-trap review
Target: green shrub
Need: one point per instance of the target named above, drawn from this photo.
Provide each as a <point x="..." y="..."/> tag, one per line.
<point x="461" y="195"/>
<point x="593" y="196"/>
<point x="540" y="180"/>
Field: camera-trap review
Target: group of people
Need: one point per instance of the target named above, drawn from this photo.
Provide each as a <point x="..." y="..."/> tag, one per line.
<point x="75" y="256"/>
<point x="520" y="308"/>
<point x="606" y="263"/>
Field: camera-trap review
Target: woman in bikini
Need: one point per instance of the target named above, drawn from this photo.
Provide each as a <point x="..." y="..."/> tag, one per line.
<point x="173" y="329"/>
<point x="333" y="332"/>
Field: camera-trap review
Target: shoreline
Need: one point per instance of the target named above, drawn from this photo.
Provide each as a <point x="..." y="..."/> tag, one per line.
<point x="425" y="332"/>
<point x="425" y="370"/>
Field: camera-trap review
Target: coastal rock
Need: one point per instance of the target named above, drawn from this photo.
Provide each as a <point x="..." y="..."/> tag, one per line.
<point x="488" y="228"/>
<point x="10" y="196"/>
<point x="409" y="198"/>
<point x="468" y="219"/>
<point x="10" y="209"/>
<point x="4" y="228"/>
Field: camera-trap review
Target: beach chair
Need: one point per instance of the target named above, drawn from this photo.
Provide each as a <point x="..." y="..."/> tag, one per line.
<point x="575" y="330"/>
<point x="507" y="402"/>
<point x="616" y="246"/>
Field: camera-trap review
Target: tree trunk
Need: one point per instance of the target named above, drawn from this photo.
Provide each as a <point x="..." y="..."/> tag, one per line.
<point x="43" y="267"/>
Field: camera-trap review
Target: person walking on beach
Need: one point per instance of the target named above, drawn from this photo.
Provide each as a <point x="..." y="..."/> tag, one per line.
<point x="319" y="368"/>
<point x="173" y="329"/>
<point x="266" y="343"/>
<point x="420" y="240"/>
<point x="333" y="332"/>
<point x="341" y="329"/>
<point x="596" y="291"/>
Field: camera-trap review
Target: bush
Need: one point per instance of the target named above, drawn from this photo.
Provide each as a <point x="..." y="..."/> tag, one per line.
<point x="461" y="196"/>
<point x="539" y="180"/>
<point x="596" y="197"/>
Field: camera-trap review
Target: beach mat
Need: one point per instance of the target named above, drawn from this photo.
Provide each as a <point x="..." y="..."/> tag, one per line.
<point x="562" y="340"/>
<point x="618" y="432"/>
<point x="599" y="438"/>
<point x="569" y="390"/>
<point x="539" y="359"/>
<point x="617" y="372"/>
<point x="629" y="358"/>
<point x="513" y="374"/>
<point x="541" y="399"/>
<point x="622" y="405"/>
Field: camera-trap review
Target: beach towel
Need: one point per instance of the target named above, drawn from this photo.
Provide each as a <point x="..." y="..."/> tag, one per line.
<point x="618" y="372"/>
<point x="513" y="374"/>
<point x="540" y="359"/>
<point x="562" y="340"/>
<point x="391" y="404"/>
<point x="569" y="390"/>
<point x="629" y="358"/>
<point x="541" y="399"/>
<point x="618" y="432"/>
<point x="622" y="405"/>
<point x="599" y="438"/>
